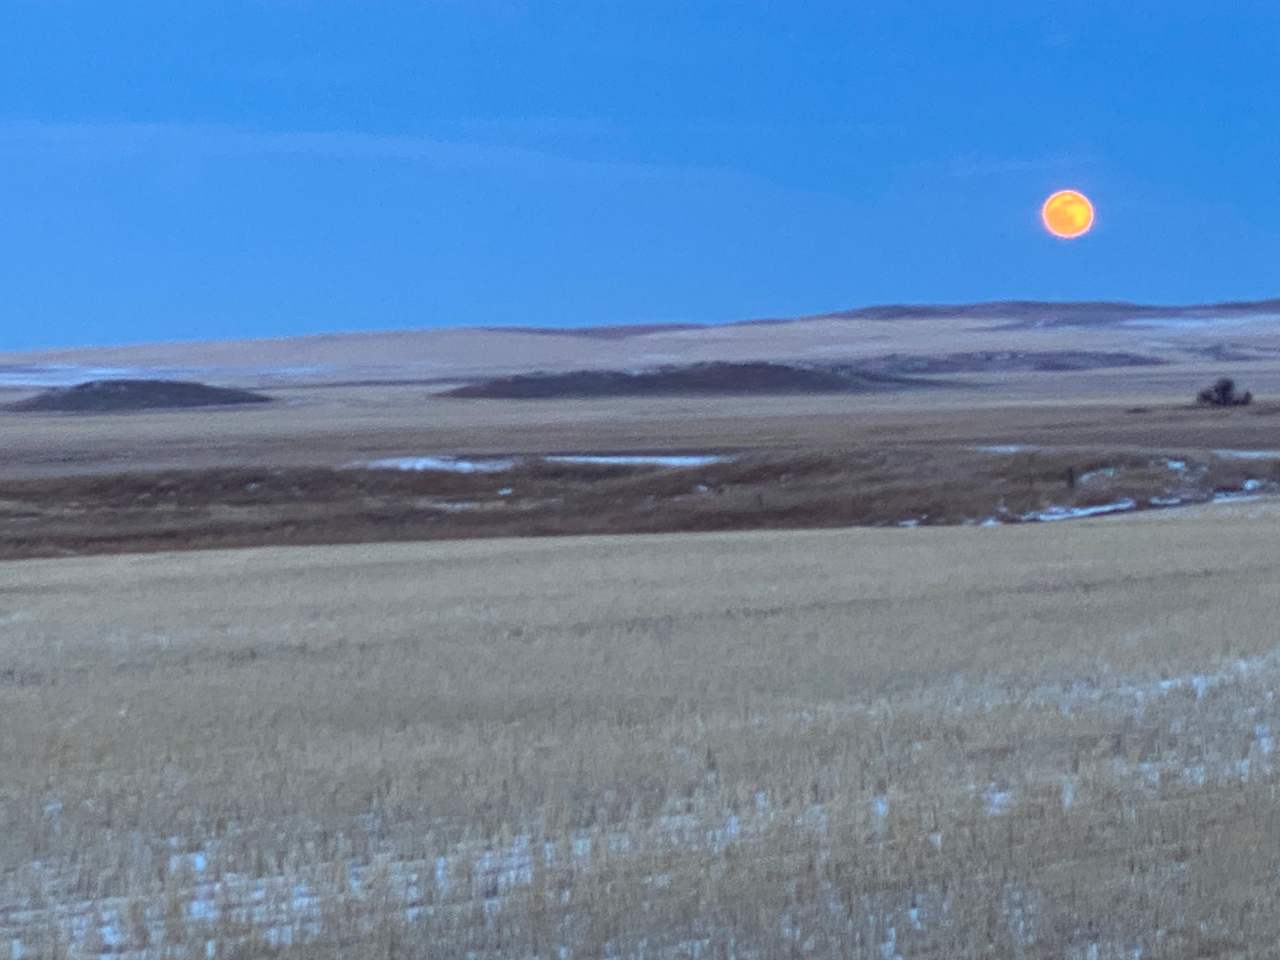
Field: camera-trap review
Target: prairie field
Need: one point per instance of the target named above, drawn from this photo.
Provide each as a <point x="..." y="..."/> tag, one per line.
<point x="830" y="688"/>
<point x="1034" y="741"/>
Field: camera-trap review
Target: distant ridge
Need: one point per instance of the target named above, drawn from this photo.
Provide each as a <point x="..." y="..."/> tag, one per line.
<point x="1018" y="313"/>
<point x="1046" y="313"/>
<point x="458" y="355"/>
<point x="618" y="332"/>
<point x="1015" y="313"/>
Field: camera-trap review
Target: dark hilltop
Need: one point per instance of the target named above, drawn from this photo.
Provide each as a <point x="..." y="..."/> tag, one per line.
<point x="117" y="396"/>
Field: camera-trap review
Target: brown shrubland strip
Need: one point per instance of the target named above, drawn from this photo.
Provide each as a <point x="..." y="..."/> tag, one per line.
<point x="935" y="485"/>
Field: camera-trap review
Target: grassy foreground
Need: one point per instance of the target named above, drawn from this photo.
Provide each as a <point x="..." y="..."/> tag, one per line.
<point x="1040" y="741"/>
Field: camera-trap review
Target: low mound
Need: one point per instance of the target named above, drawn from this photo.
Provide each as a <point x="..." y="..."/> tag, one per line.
<point x="109" y="396"/>
<point x="697" y="378"/>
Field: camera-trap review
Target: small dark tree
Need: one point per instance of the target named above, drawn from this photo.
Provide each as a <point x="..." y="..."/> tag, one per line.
<point x="1223" y="394"/>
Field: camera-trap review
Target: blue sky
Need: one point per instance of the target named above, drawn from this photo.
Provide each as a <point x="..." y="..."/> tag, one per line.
<point x="229" y="169"/>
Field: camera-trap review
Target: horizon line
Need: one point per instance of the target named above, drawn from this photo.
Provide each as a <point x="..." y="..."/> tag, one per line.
<point x="881" y="311"/>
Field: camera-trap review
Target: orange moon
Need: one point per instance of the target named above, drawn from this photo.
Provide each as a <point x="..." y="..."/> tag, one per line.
<point x="1067" y="214"/>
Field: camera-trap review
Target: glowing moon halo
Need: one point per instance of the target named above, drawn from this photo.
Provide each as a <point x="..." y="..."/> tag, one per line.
<point x="1067" y="214"/>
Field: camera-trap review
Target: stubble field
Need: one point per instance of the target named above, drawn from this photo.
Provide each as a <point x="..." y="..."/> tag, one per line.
<point x="1027" y="741"/>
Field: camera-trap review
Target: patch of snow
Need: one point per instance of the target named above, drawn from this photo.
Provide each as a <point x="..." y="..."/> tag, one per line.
<point x="449" y="464"/>
<point x="1150" y="774"/>
<point x="111" y="935"/>
<point x="1006" y="448"/>
<point x="202" y="908"/>
<point x="625" y="460"/>
<point x="455" y="506"/>
<point x="1262" y="735"/>
<point x="1228" y="497"/>
<point x="1091" y="475"/>
<point x="442" y="874"/>
<point x="198" y="862"/>
<point x="1247" y="454"/>
<point x="1072" y="513"/>
<point x="1020" y="908"/>
<point x="1197" y="682"/>
<point x="505" y="492"/>
<point x="889" y="948"/>
<point x="445" y="464"/>
<point x="995" y="802"/>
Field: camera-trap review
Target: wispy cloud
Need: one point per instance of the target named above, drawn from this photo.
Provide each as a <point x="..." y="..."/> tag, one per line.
<point x="137" y="140"/>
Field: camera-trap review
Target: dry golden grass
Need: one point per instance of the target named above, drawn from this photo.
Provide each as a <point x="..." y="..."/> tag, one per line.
<point x="1048" y="741"/>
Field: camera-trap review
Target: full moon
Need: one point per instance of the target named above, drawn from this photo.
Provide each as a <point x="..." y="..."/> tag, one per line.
<point x="1067" y="214"/>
